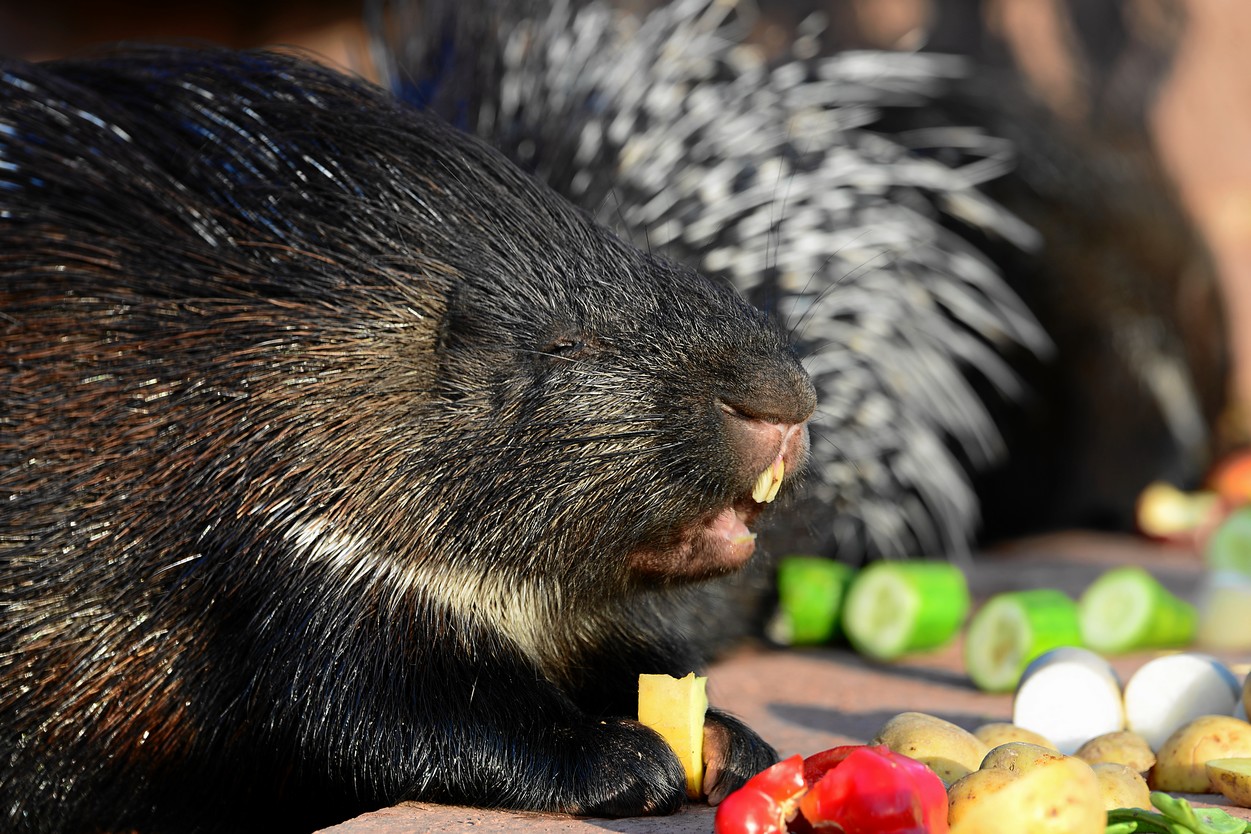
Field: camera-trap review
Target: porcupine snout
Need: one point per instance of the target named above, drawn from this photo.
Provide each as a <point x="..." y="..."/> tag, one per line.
<point x="760" y="399"/>
<point x="766" y="423"/>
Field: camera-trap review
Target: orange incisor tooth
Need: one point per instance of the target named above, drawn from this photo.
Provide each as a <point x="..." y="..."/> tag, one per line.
<point x="770" y="481"/>
<point x="778" y="470"/>
<point x="761" y="488"/>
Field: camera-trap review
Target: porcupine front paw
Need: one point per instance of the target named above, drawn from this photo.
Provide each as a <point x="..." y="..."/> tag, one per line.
<point x="629" y="771"/>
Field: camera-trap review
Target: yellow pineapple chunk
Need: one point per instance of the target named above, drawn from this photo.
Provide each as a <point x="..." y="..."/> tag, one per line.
<point x="675" y="707"/>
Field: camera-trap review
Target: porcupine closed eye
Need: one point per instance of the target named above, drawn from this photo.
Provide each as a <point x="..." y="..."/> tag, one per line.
<point x="342" y="464"/>
<point x="971" y="284"/>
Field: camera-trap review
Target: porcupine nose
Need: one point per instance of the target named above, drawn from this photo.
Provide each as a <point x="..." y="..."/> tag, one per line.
<point x="766" y="423"/>
<point x="777" y="391"/>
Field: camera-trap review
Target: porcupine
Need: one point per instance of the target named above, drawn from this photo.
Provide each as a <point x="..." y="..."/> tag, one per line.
<point x="966" y="274"/>
<point x="344" y="464"/>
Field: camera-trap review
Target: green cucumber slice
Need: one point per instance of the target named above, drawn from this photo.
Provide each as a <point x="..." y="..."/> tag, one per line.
<point x="1127" y="608"/>
<point x="1229" y="547"/>
<point x="810" y="600"/>
<point x="1224" y="600"/>
<point x="1012" y="629"/>
<point x="894" y="608"/>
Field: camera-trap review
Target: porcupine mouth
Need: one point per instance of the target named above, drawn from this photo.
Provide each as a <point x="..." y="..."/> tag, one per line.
<point x="729" y="532"/>
<point x="718" y="543"/>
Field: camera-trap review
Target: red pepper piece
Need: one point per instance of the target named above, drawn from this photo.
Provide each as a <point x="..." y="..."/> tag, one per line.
<point x="765" y="802"/>
<point x="930" y="789"/>
<point x="816" y="765"/>
<point x="873" y="790"/>
<point x="853" y="789"/>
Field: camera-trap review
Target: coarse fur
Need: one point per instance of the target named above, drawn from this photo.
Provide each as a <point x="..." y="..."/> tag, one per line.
<point x="341" y="464"/>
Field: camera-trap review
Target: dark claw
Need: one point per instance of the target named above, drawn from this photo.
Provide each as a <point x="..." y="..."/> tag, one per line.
<point x="733" y="753"/>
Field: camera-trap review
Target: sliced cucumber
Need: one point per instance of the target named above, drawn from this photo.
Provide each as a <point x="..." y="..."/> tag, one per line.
<point x="1127" y="608"/>
<point x="1169" y="691"/>
<point x="1012" y="629"/>
<point x="1229" y="548"/>
<point x="1070" y="695"/>
<point x="894" y="608"/>
<point x="1224" y="600"/>
<point x="810" y="600"/>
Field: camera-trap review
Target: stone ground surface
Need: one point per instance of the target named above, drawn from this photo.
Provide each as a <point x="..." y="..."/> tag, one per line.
<point x="807" y="700"/>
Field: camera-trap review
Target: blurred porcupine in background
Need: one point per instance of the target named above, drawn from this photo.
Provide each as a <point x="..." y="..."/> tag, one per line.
<point x="1010" y="322"/>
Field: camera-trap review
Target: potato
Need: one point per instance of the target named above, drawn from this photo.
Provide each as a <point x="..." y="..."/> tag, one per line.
<point x="1180" y="761"/>
<point x="1232" y="777"/>
<point x="1122" y="786"/>
<point x="1059" y="795"/>
<point x="675" y="708"/>
<point x="1002" y="732"/>
<point x="948" y="750"/>
<point x="1123" y="747"/>
<point x="970" y="789"/>
<point x="1020" y="757"/>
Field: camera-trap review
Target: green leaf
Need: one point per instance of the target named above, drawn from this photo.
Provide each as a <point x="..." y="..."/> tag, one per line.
<point x="1177" y="816"/>
<point x="1142" y="820"/>
<point x="1184" y="819"/>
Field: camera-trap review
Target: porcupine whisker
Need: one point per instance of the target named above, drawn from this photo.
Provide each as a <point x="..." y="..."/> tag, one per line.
<point x="848" y="276"/>
<point x="604" y="456"/>
<point x="544" y="426"/>
<point x="823" y="438"/>
<point x="796" y="332"/>
<point x="774" y="238"/>
<point x="577" y="443"/>
<point x="621" y="218"/>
